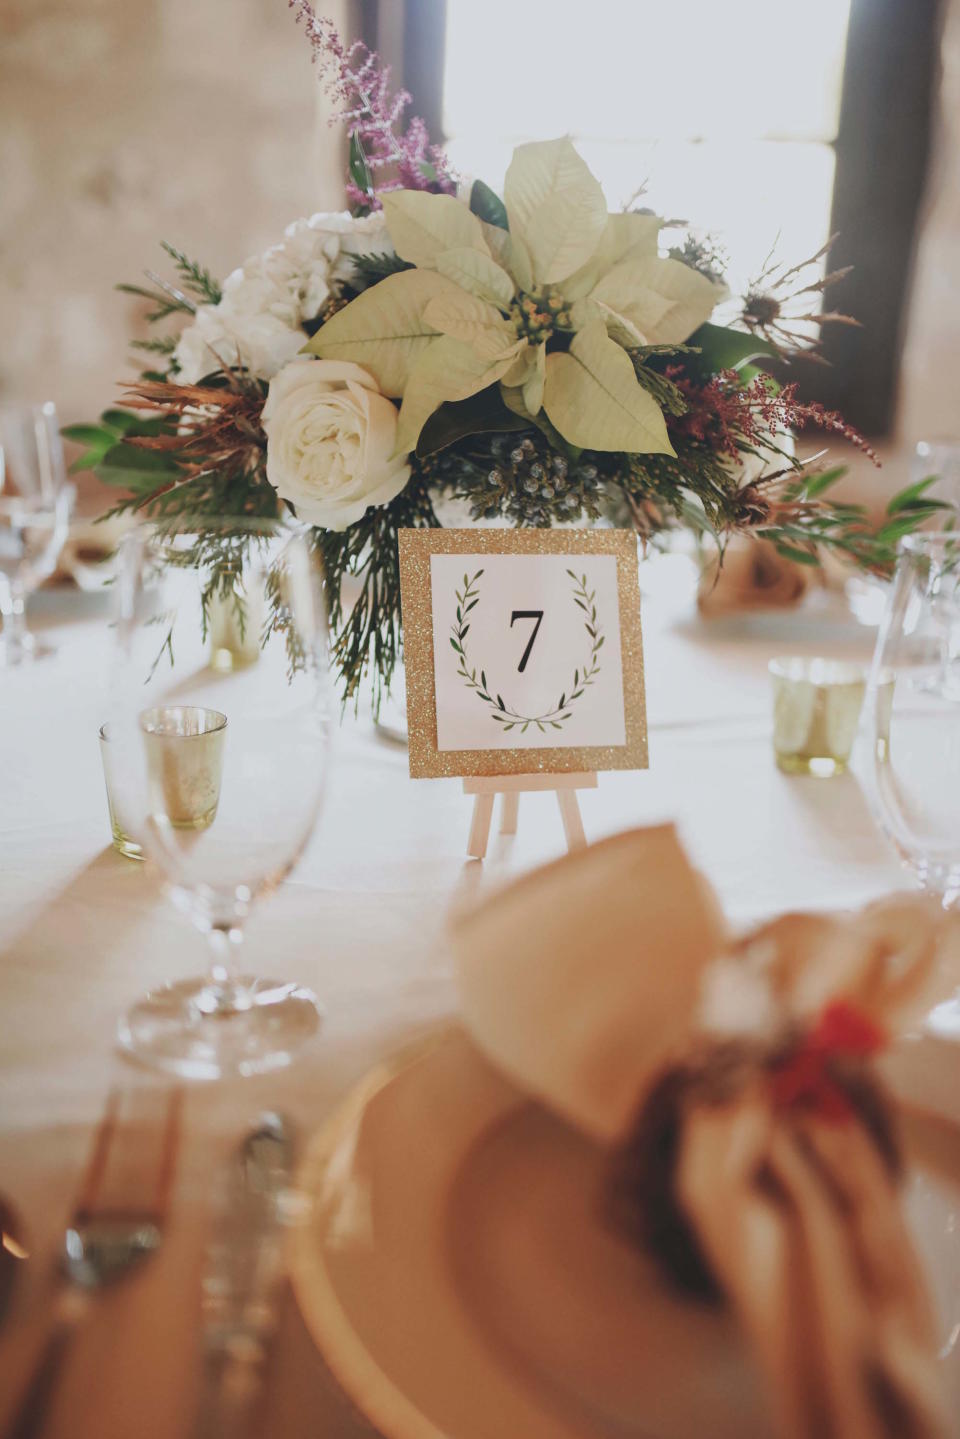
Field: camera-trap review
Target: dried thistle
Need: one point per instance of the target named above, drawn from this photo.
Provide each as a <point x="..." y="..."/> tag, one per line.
<point x="778" y="305"/>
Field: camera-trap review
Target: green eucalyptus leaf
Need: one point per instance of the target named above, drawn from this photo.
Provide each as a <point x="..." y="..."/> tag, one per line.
<point x="487" y="205"/>
<point x="799" y="557"/>
<point x="819" y="484"/>
<point x="725" y="349"/>
<point x="359" y="169"/>
<point x="903" y="499"/>
<point x="95" y="435"/>
<point x="482" y="413"/>
<point x="133" y="468"/>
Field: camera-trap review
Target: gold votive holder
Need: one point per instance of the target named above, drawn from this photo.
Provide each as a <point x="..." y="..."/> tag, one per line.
<point x="816" y="713"/>
<point x="235" y="626"/>
<point x="122" y="842"/>
<point x="184" y="745"/>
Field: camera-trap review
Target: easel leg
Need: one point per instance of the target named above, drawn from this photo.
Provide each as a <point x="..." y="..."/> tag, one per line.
<point x="572" y="823"/>
<point x="480" y="825"/>
<point x="509" y="809"/>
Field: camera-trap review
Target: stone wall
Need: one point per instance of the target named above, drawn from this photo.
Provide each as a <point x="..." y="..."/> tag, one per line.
<point x="123" y="123"/>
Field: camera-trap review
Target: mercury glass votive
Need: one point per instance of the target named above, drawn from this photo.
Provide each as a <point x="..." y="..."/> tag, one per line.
<point x="122" y="842"/>
<point x="816" y="711"/>
<point x="184" y="746"/>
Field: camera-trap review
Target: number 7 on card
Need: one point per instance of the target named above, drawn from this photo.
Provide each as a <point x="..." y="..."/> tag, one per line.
<point x="523" y="651"/>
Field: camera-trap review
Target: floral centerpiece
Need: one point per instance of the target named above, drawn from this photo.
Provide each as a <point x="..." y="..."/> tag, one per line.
<point x="528" y="358"/>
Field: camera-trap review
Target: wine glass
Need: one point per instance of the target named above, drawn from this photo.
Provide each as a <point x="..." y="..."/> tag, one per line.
<point x="912" y="712"/>
<point x="939" y="458"/>
<point x="219" y="775"/>
<point x="35" y="502"/>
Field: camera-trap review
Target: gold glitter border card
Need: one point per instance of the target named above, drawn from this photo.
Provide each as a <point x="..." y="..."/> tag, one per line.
<point x="429" y="762"/>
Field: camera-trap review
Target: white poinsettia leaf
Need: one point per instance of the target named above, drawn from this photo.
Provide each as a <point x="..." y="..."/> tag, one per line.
<point x="664" y="299"/>
<point x="583" y="311"/>
<point x="594" y="399"/>
<point x="511" y="254"/>
<point x="521" y="369"/>
<point x="478" y="274"/>
<point x="533" y="384"/>
<point x="384" y="328"/>
<point x="556" y="207"/>
<point x="519" y="262"/>
<point x="626" y="235"/>
<point x="472" y="321"/>
<point x="422" y="226"/>
<point x="619" y="328"/>
<point x="447" y="370"/>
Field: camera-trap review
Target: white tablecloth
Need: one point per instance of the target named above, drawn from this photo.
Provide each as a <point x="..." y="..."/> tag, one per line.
<point x="82" y="932"/>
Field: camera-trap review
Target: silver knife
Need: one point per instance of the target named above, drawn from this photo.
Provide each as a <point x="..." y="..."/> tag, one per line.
<point x="241" y="1276"/>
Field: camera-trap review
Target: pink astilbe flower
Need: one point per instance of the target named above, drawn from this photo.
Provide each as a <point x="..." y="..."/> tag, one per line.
<point x="384" y="155"/>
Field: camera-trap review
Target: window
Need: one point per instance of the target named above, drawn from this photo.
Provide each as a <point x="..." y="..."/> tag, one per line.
<point x="726" y="111"/>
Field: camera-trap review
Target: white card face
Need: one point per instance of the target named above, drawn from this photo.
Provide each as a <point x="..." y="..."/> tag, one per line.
<point x="526" y="651"/>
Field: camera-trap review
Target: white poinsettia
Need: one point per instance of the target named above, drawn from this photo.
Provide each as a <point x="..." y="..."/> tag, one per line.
<point x="547" y="304"/>
<point x="330" y="441"/>
<point x="259" y="322"/>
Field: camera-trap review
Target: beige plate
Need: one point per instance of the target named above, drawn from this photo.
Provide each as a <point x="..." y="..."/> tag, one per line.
<point x="459" y="1279"/>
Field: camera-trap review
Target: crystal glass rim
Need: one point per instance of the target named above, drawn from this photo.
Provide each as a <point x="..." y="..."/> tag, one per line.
<point x="46" y="408"/>
<point x="930" y="543"/>
<point x="218" y="717"/>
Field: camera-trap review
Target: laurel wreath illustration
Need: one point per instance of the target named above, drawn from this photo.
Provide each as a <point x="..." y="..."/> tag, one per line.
<point x="500" y="709"/>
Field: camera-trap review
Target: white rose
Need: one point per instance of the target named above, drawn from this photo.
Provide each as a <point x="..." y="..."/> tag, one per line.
<point x="221" y="335"/>
<point x="330" y="438"/>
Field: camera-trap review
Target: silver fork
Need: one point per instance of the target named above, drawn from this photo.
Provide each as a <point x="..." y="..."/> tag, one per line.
<point x="101" y="1243"/>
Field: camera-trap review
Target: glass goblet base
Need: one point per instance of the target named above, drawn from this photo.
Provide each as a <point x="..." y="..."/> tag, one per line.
<point x="944" y="1019"/>
<point x="16" y="652"/>
<point x="196" y="1029"/>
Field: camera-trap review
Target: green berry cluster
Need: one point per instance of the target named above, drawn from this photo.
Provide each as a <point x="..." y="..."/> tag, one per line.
<point x="521" y="479"/>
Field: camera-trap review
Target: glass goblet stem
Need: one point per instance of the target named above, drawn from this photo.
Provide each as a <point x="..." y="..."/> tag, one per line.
<point x="16" y="636"/>
<point x="223" y="994"/>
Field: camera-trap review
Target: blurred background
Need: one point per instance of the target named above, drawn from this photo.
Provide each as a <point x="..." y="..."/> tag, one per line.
<point x="201" y="122"/>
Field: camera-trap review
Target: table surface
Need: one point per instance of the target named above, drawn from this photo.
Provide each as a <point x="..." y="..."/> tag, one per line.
<point x="361" y="921"/>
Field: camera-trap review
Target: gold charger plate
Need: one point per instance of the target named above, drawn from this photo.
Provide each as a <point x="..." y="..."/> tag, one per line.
<point x="457" y="1274"/>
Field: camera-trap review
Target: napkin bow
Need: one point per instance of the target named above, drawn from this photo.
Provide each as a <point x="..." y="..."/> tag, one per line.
<point x="753" y="1150"/>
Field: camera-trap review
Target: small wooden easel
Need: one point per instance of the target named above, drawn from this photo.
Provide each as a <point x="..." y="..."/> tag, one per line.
<point x="510" y="786"/>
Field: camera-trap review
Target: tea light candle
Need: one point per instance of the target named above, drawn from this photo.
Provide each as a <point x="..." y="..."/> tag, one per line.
<point x="236" y="624"/>
<point x="816" y="711"/>
<point x="184" y="746"/>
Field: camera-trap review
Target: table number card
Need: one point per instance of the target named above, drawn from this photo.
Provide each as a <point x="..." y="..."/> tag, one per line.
<point x="523" y="651"/>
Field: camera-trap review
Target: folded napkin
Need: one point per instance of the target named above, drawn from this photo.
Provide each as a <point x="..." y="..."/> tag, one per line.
<point x="753" y="1150"/>
<point x="555" y="975"/>
<point x="753" y="576"/>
